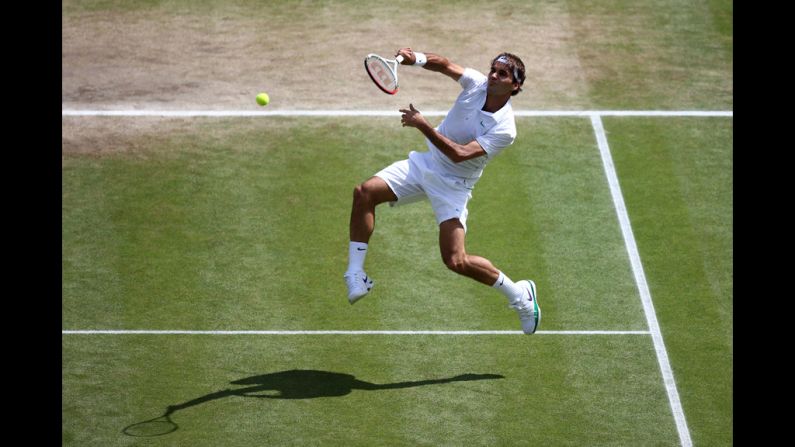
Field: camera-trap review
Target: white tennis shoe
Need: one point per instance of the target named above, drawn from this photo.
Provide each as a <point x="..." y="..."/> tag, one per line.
<point x="527" y="307"/>
<point x="359" y="285"/>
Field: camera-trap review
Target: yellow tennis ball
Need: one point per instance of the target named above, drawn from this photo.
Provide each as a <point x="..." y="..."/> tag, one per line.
<point x="263" y="99"/>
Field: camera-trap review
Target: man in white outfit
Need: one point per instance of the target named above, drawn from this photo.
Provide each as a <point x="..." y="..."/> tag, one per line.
<point x="477" y="128"/>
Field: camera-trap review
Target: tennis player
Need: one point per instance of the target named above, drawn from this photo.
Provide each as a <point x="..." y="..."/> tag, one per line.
<point x="477" y="128"/>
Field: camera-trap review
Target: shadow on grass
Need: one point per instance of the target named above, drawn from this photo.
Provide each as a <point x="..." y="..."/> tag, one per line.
<point x="293" y="384"/>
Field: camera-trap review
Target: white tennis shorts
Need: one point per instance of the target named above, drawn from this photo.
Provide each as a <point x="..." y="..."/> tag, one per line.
<point x="414" y="179"/>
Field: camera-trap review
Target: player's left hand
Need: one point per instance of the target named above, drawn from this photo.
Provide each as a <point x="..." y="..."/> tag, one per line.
<point x="412" y="117"/>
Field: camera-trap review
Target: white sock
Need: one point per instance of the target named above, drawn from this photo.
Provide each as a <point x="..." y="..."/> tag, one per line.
<point x="357" y="251"/>
<point x="508" y="288"/>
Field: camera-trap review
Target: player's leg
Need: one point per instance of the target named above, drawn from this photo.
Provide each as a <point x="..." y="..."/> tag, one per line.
<point x="452" y="237"/>
<point x="366" y="197"/>
<point x="521" y="295"/>
<point x="398" y="183"/>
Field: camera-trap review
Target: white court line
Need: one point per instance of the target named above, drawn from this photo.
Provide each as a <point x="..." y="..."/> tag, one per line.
<point x="377" y="113"/>
<point x="640" y="280"/>
<point x="189" y="332"/>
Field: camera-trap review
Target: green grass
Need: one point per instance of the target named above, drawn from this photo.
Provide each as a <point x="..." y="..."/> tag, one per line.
<point x="671" y="54"/>
<point x="214" y="226"/>
<point x="676" y="175"/>
<point x="570" y="399"/>
<point x="252" y="233"/>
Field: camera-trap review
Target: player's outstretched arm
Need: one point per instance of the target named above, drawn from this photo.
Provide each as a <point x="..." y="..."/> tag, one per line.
<point x="434" y="62"/>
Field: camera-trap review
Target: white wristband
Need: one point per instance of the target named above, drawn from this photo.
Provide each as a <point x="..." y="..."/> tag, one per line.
<point x="420" y="58"/>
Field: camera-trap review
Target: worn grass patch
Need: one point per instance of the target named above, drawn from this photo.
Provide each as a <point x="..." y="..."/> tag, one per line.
<point x="308" y="54"/>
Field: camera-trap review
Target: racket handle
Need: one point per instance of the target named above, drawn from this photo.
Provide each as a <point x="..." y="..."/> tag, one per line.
<point x="399" y="59"/>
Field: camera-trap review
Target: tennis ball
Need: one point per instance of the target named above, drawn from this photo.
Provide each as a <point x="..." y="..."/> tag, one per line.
<point x="263" y="99"/>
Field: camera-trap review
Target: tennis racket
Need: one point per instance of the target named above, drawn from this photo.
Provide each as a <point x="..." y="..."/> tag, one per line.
<point x="383" y="72"/>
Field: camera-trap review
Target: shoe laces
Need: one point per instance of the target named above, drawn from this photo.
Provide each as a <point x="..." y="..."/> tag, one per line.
<point x="524" y="308"/>
<point x="356" y="278"/>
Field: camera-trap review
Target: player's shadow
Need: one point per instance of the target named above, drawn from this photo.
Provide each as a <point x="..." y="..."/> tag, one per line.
<point x="309" y="384"/>
<point x="293" y="384"/>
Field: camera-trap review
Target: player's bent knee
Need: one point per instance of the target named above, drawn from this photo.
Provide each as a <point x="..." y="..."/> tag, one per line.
<point x="361" y="194"/>
<point x="373" y="192"/>
<point x="456" y="263"/>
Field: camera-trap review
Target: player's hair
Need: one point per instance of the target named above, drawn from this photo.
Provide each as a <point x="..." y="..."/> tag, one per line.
<point x="517" y="68"/>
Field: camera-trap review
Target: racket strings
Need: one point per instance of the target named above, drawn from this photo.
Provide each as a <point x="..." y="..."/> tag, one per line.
<point x="384" y="76"/>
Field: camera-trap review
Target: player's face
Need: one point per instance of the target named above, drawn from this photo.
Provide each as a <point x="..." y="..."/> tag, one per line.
<point x="501" y="79"/>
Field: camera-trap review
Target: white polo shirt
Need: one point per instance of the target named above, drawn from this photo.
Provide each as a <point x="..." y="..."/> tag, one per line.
<point x="466" y="122"/>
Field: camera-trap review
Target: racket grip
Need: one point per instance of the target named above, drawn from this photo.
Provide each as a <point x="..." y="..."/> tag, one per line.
<point x="399" y="59"/>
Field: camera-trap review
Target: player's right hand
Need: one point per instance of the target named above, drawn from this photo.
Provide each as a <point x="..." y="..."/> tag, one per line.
<point x="408" y="56"/>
